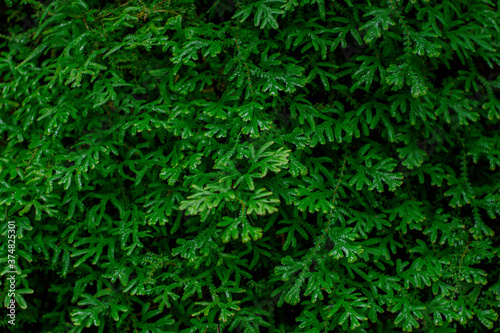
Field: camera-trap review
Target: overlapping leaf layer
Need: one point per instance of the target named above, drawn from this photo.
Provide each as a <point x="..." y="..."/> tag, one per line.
<point x="251" y="166"/>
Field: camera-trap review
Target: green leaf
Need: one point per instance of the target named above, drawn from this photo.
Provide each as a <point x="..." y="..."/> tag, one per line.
<point x="266" y="15"/>
<point x="487" y="317"/>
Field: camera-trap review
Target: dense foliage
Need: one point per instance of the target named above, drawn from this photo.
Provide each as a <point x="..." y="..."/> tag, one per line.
<point x="251" y="166"/>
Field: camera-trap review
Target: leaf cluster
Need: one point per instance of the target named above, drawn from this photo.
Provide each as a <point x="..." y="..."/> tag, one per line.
<point x="251" y="166"/>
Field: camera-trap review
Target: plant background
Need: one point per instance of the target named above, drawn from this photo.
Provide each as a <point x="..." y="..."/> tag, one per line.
<point x="275" y="166"/>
